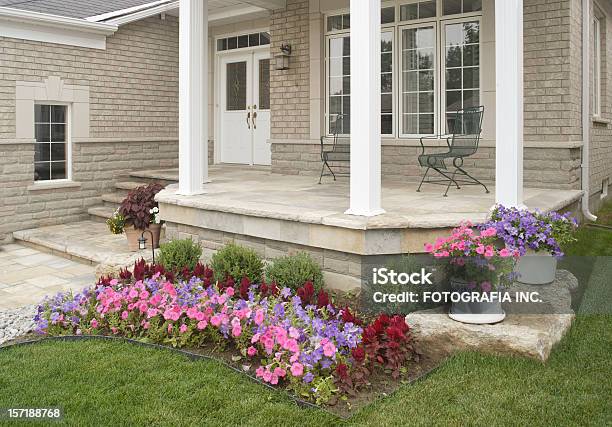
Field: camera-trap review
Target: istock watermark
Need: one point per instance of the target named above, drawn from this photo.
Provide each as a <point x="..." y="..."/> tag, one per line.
<point x="403" y="284"/>
<point x="386" y="276"/>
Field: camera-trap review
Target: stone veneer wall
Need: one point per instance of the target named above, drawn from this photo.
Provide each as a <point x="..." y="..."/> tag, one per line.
<point x="341" y="270"/>
<point x="601" y="131"/>
<point x="133" y="87"/>
<point x="290" y="89"/>
<point x="553" y="70"/>
<point x="544" y="167"/>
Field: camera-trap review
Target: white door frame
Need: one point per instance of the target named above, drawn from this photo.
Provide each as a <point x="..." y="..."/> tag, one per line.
<point x="216" y="81"/>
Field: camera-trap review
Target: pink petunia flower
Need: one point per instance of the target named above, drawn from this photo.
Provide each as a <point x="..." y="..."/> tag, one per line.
<point x="297" y="369"/>
<point x="251" y="351"/>
<point x="259" y="317"/>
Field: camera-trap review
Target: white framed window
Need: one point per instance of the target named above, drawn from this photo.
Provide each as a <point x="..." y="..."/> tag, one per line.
<point x="461" y="68"/>
<point x="430" y="65"/>
<point x="418" y="103"/>
<point x="455" y="7"/>
<point x="596" y="67"/>
<point x="52" y="155"/>
<point x="339" y="81"/>
<point x="242" y="41"/>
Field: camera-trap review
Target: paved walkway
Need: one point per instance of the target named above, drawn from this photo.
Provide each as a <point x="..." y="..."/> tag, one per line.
<point x="89" y="241"/>
<point x="28" y="275"/>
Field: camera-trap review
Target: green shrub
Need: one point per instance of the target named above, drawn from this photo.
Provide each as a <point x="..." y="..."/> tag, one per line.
<point x="237" y="262"/>
<point x="178" y="254"/>
<point x="295" y="270"/>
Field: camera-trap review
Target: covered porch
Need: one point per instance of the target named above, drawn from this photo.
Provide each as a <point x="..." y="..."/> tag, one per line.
<point x="340" y="222"/>
<point x="279" y="214"/>
<point x="366" y="136"/>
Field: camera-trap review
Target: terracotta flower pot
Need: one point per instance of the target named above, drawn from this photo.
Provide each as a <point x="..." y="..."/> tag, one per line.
<point x="134" y="234"/>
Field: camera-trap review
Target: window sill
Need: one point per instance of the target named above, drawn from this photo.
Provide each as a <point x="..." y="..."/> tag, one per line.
<point x="53" y="185"/>
<point x="601" y="121"/>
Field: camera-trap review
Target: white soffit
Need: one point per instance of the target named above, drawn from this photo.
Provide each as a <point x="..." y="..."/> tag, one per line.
<point x="219" y="11"/>
<point x="43" y="27"/>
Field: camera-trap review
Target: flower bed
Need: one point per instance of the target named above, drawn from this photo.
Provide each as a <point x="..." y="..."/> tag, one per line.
<point x="299" y="340"/>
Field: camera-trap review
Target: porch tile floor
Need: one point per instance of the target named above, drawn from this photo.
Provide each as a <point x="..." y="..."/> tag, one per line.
<point x="88" y="242"/>
<point x="257" y="192"/>
<point x="27" y="275"/>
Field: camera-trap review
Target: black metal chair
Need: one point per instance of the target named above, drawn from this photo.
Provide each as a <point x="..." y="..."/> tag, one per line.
<point x="462" y="142"/>
<point x="336" y="154"/>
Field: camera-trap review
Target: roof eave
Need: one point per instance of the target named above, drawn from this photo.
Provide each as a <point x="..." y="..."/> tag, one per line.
<point x="56" y="21"/>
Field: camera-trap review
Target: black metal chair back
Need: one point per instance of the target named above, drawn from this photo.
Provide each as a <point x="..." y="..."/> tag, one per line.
<point x="466" y="129"/>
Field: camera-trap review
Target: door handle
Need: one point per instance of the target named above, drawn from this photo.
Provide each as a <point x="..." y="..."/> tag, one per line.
<point x="254" y="119"/>
<point x="248" y="119"/>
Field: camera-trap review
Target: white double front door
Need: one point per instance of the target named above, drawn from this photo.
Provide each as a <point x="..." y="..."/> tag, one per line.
<point x="244" y="94"/>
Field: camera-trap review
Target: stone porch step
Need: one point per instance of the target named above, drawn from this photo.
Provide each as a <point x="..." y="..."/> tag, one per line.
<point x="129" y="185"/>
<point x="163" y="176"/>
<point x="101" y="213"/>
<point x="113" y="198"/>
<point x="88" y="242"/>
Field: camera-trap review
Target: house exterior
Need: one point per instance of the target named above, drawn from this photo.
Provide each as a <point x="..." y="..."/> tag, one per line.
<point x="94" y="90"/>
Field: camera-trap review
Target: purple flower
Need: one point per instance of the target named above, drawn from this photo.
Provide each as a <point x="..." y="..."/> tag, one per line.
<point x="308" y="378"/>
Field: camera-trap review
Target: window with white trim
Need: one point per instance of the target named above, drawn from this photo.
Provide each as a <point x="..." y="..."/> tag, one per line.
<point x="596" y="67"/>
<point x="51" y="156"/>
<point x="430" y="65"/>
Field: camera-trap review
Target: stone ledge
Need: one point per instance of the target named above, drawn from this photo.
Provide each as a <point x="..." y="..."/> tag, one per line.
<point x="156" y="139"/>
<point x="526" y="335"/>
<point x="408" y="142"/>
<point x="53" y="185"/>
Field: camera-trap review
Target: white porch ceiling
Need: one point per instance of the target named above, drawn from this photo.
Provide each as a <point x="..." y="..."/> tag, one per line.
<point x="230" y="11"/>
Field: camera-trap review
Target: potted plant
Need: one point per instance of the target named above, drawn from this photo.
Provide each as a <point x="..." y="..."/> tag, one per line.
<point x="141" y="215"/>
<point x="476" y="269"/>
<point x="538" y="237"/>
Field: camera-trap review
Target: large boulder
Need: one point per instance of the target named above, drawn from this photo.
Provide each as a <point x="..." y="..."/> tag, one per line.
<point x="522" y="333"/>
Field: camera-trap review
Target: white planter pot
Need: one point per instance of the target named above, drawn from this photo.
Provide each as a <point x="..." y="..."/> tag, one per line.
<point x="476" y="313"/>
<point x="536" y="268"/>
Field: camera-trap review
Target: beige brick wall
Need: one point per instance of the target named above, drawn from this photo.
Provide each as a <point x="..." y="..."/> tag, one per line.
<point x="544" y="167"/>
<point x="290" y="89"/>
<point x="601" y="131"/>
<point x="133" y="87"/>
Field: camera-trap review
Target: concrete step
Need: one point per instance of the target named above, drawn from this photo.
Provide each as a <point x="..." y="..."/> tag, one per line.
<point x="88" y="242"/>
<point x="163" y="176"/>
<point x="100" y="213"/>
<point x="113" y="198"/>
<point x="129" y="185"/>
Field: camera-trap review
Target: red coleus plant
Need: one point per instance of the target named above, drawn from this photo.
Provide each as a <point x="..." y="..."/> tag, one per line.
<point x="308" y="297"/>
<point x="136" y="207"/>
<point x="388" y="342"/>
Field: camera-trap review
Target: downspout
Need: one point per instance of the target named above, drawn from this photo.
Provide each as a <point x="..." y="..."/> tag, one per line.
<point x="586" y="110"/>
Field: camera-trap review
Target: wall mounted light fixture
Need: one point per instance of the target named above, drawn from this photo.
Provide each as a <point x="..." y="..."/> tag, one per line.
<point x="281" y="59"/>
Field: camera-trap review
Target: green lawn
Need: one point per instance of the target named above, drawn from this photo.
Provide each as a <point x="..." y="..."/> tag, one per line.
<point x="109" y="383"/>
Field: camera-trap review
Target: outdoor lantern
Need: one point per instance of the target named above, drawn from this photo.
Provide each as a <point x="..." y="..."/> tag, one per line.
<point x="142" y="243"/>
<point x="281" y="60"/>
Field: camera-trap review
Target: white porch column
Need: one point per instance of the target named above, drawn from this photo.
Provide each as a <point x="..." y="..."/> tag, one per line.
<point x="509" y="102"/>
<point x="365" y="108"/>
<point x="193" y="96"/>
